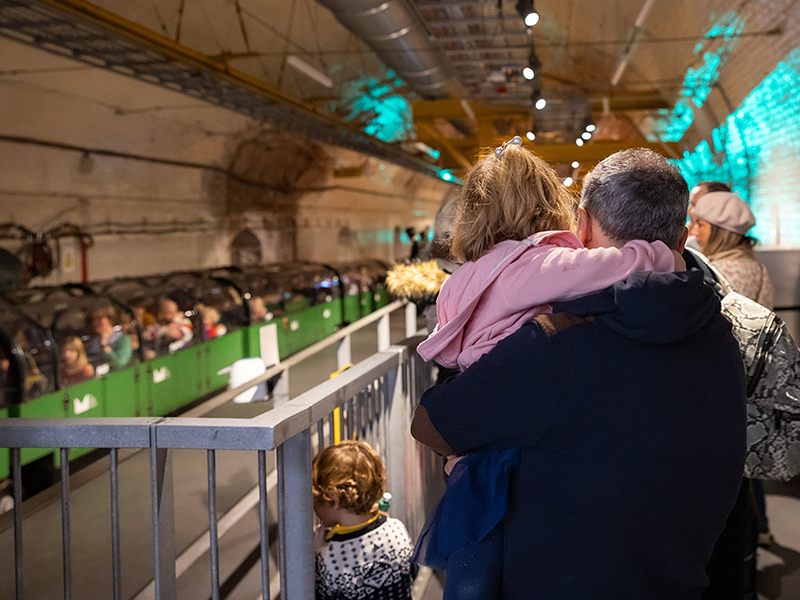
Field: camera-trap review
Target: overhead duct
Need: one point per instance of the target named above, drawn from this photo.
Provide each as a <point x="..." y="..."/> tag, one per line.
<point x="393" y="30"/>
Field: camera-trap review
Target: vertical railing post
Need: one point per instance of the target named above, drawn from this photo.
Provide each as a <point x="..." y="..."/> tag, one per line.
<point x="16" y="473"/>
<point x="66" y="536"/>
<point x="411" y="319"/>
<point x="384" y="332"/>
<point x="397" y="434"/>
<point x="280" y="393"/>
<point x="296" y="517"/>
<point x="163" y="497"/>
<point x="343" y="352"/>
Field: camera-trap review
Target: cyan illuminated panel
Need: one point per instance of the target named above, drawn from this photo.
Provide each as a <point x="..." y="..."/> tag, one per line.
<point x="718" y="44"/>
<point x="757" y="150"/>
<point x="376" y="104"/>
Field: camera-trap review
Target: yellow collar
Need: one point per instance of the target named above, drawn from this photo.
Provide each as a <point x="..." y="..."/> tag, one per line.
<point x="343" y="530"/>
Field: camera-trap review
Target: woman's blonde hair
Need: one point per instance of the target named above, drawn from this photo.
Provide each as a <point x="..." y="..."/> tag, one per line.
<point x="509" y="197"/>
<point x="350" y="472"/>
<point x="722" y="240"/>
<point x="75" y="343"/>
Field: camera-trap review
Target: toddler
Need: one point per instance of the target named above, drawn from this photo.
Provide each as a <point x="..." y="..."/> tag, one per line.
<point x="75" y="367"/>
<point x="360" y="552"/>
<point x="513" y="232"/>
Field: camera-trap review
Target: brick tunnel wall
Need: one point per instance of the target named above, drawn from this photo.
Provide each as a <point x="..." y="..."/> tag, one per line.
<point x="188" y="178"/>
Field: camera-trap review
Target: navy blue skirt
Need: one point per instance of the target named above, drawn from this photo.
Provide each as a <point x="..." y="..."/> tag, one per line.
<point x="472" y="505"/>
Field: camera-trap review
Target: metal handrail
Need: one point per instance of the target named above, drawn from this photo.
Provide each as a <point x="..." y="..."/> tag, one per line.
<point x="299" y="357"/>
<point x="375" y="398"/>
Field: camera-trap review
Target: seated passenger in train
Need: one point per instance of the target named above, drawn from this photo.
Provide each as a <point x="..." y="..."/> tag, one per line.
<point x="75" y="367"/>
<point x="172" y="328"/>
<point x="213" y="328"/>
<point x="355" y="537"/>
<point x="35" y="383"/>
<point x="111" y="346"/>
<point x="258" y="310"/>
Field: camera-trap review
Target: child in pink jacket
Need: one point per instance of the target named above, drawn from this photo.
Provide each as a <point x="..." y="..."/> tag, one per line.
<point x="513" y="234"/>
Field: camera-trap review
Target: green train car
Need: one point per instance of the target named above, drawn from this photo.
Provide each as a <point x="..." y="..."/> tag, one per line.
<point x="151" y="346"/>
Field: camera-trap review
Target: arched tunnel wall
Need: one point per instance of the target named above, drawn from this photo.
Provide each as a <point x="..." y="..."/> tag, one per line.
<point x="173" y="180"/>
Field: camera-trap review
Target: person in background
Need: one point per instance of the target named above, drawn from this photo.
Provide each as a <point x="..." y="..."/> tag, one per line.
<point x="75" y="367"/>
<point x="111" y="346"/>
<point x="172" y="328"/>
<point x="720" y="225"/>
<point x="702" y="188"/>
<point x="213" y="328"/>
<point x="258" y="310"/>
<point x="360" y="553"/>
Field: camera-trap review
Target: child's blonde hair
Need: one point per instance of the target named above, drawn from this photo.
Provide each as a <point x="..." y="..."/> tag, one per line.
<point x="75" y="343"/>
<point x="350" y="472"/>
<point x="509" y="197"/>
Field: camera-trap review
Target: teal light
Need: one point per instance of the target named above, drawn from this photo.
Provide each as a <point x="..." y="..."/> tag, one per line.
<point x="756" y="150"/>
<point x="435" y="154"/>
<point x="376" y="105"/>
<point x="446" y="176"/>
<point x="698" y="83"/>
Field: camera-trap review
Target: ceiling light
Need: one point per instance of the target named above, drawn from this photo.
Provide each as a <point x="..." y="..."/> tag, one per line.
<point x="568" y="181"/>
<point x="309" y="71"/>
<point x="590" y="127"/>
<point x="530" y="135"/>
<point x="528" y="73"/>
<point x="579" y="142"/>
<point x="586" y="135"/>
<point x="575" y="164"/>
<point x="541" y="103"/>
<point x="527" y="12"/>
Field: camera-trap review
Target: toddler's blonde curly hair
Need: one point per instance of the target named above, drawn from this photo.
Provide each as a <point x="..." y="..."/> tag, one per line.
<point x="509" y="197"/>
<point x="350" y="472"/>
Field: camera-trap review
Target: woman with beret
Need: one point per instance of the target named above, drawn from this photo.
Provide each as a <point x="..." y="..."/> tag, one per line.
<point x="721" y="222"/>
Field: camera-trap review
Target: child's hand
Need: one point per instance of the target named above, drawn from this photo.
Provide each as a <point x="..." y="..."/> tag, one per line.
<point x="319" y="538"/>
<point x="680" y="264"/>
<point x="452" y="461"/>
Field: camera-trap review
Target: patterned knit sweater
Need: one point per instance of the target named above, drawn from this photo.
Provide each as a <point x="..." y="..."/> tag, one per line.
<point x="369" y="564"/>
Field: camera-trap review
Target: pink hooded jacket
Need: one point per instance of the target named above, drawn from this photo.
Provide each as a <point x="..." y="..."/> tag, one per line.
<point x="488" y="299"/>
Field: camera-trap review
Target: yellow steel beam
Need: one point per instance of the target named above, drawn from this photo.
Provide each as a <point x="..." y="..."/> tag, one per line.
<point x="430" y="130"/>
<point x="631" y="100"/>
<point x="594" y="152"/>
<point x="591" y="152"/>
<point x="451" y="109"/>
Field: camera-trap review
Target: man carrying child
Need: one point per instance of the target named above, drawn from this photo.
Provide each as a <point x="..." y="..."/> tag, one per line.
<point x="627" y="405"/>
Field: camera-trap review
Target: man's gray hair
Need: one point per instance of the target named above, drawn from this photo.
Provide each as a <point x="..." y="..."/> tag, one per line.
<point x="637" y="195"/>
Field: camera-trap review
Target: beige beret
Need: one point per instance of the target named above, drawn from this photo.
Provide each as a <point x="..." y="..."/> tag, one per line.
<point x="725" y="210"/>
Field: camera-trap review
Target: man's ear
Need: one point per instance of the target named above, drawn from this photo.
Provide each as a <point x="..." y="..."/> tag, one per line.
<point x="682" y="243"/>
<point x="584" y="226"/>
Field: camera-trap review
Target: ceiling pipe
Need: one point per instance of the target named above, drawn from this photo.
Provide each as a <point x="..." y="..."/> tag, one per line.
<point x="630" y="47"/>
<point x="399" y="38"/>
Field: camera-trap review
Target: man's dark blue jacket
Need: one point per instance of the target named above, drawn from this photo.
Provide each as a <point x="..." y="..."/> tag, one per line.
<point x="629" y="408"/>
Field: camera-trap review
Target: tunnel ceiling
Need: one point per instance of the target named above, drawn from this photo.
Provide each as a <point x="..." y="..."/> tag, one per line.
<point x="637" y="69"/>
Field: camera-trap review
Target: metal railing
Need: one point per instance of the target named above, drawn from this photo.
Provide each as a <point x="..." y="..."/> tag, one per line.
<point x="373" y="401"/>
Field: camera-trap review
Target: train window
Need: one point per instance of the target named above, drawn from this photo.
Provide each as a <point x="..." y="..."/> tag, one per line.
<point x="38" y="356"/>
<point x="9" y="377"/>
<point x="94" y="338"/>
<point x="175" y="326"/>
<point x="222" y="309"/>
